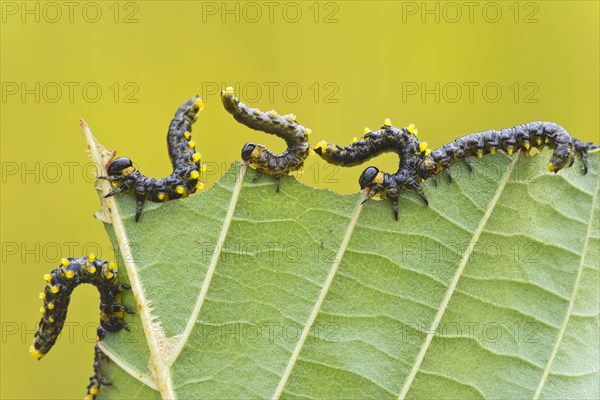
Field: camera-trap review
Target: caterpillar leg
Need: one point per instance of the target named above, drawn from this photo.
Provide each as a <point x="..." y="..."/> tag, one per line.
<point x="394" y="201"/>
<point x="277" y="183"/>
<point x="369" y="195"/>
<point x="417" y="188"/>
<point x="140" y="198"/>
<point x="257" y="176"/>
<point x="582" y="149"/>
<point x="111" y="178"/>
<point x="449" y="174"/>
<point x="123" y="186"/>
<point x="469" y="165"/>
<point x="116" y="307"/>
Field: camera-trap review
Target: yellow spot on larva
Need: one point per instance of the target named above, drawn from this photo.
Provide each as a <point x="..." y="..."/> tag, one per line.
<point x="113" y="266"/>
<point x="194" y="174"/>
<point x="43" y="310"/>
<point x="366" y="130"/>
<point x="411" y="128"/>
<point x="196" y="157"/>
<point x="203" y="168"/>
<point x="108" y="274"/>
<point x="187" y="135"/>
<point x="69" y="274"/>
<point x="161" y="196"/>
<point x="228" y="90"/>
<point x="479" y="153"/>
<point x="379" y="178"/>
<point x="308" y="131"/>
<point x="92" y="257"/>
<point x="50" y="306"/>
<point x="509" y="150"/>
<point x="423" y="146"/>
<point x="199" y="186"/>
<point x="256" y="111"/>
<point x="526" y="144"/>
<point x="94" y="390"/>
<point x="311" y="152"/>
<point x="48" y="278"/>
<point x="323" y="146"/>
<point x="492" y="150"/>
<point x="91" y="269"/>
<point x="179" y="189"/>
<point x="65" y="262"/>
<point x="551" y="167"/>
<point x="55" y="289"/>
<point x="273" y="113"/>
<point x="416" y="132"/>
<point x="538" y="140"/>
<point x="293" y="117"/>
<point x="533" y="151"/>
<point x="387" y="122"/>
<point x="192" y="144"/>
<point x="427" y="152"/>
<point x="200" y="104"/>
<point x="51" y="320"/>
<point x="35" y="353"/>
<point x="354" y="140"/>
<point x="42" y="296"/>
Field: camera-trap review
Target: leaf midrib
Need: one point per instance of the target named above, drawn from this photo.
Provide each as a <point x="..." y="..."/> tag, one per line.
<point x="571" y="305"/>
<point x="457" y="275"/>
<point x="162" y="372"/>
<point x="319" y="302"/>
<point x="183" y="338"/>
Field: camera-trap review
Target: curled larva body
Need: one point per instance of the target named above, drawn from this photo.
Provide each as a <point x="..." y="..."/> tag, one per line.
<point x="61" y="282"/>
<point x="402" y="141"/>
<point x="185" y="178"/>
<point x="285" y="127"/>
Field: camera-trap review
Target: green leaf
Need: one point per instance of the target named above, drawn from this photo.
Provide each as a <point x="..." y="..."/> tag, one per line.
<point x="242" y="292"/>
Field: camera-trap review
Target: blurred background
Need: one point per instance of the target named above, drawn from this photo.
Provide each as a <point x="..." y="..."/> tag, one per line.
<point x="450" y="68"/>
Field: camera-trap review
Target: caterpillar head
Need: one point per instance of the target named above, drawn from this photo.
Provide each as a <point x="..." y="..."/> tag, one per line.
<point x="560" y="158"/>
<point x="371" y="183"/>
<point x="370" y="178"/>
<point x="247" y="151"/>
<point x="120" y="166"/>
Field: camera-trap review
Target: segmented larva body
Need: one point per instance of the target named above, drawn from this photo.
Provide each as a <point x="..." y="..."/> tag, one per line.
<point x="185" y="160"/>
<point x="418" y="163"/>
<point x="531" y="138"/>
<point x="61" y="282"/>
<point x="285" y="127"/>
<point x="97" y="379"/>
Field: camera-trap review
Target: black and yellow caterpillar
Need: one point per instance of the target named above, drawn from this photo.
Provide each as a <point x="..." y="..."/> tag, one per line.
<point x="418" y="163"/>
<point x="285" y="127"/>
<point x="60" y="283"/>
<point x="186" y="164"/>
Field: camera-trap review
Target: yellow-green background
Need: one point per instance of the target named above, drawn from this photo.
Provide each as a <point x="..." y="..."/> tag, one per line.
<point x="170" y="53"/>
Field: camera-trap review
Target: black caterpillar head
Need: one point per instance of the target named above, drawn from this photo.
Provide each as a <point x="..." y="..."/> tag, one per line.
<point x="368" y="177"/>
<point x="120" y="166"/>
<point x="247" y="151"/>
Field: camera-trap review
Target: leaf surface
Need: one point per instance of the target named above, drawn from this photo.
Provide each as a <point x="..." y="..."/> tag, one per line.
<point x="490" y="292"/>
